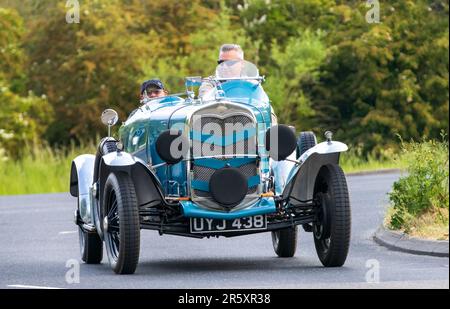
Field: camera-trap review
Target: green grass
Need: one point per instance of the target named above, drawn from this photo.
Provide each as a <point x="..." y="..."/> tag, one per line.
<point x="353" y="162"/>
<point x="46" y="170"/>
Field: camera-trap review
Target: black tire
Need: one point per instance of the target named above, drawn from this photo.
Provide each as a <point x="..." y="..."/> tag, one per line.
<point x="122" y="229"/>
<point x="285" y="242"/>
<point x="333" y="229"/>
<point x="305" y="141"/>
<point x="106" y="145"/>
<point x="91" y="247"/>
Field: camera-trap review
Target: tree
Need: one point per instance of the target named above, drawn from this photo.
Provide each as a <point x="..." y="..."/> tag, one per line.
<point x="326" y="66"/>
<point x="296" y="65"/>
<point x="385" y="79"/>
<point x="376" y="81"/>
<point x="84" y="68"/>
<point x="23" y="116"/>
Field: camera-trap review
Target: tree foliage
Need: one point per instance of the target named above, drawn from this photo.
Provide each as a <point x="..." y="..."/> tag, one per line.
<point x="377" y="80"/>
<point x="23" y="116"/>
<point x="326" y="66"/>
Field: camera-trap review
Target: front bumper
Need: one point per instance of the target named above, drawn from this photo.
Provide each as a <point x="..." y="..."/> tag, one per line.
<point x="264" y="205"/>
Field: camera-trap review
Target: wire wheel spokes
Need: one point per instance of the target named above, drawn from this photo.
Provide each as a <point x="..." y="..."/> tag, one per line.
<point x="324" y="243"/>
<point x="321" y="227"/>
<point x="113" y="230"/>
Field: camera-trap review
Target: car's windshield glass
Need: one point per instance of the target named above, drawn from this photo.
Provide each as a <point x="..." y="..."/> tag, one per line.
<point x="236" y="69"/>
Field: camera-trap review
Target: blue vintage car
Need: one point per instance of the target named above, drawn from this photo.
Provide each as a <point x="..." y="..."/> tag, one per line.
<point x="210" y="166"/>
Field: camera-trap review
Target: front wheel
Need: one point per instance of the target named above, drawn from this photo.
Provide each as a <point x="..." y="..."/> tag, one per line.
<point x="332" y="228"/>
<point x="121" y="225"/>
<point x="285" y="242"/>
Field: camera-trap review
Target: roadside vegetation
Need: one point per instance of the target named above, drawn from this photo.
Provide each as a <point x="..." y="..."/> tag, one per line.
<point x="354" y="161"/>
<point x="42" y="170"/>
<point x="420" y="200"/>
<point x="46" y="170"/>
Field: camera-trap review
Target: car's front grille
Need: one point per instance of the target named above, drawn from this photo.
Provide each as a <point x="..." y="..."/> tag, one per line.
<point x="222" y="152"/>
<point x="206" y="148"/>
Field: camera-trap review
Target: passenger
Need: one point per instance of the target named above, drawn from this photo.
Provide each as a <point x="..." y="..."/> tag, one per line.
<point x="226" y="52"/>
<point x="152" y="89"/>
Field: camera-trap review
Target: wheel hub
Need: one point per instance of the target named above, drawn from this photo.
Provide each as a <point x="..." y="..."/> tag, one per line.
<point x="322" y="227"/>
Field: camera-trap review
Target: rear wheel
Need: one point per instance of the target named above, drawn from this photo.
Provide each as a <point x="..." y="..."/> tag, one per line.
<point x="306" y="140"/>
<point x="121" y="225"/>
<point x="285" y="242"/>
<point x="333" y="227"/>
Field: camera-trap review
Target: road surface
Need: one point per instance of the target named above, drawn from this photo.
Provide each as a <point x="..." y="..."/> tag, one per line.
<point x="38" y="240"/>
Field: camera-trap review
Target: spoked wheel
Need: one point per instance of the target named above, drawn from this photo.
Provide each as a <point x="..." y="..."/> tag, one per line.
<point x="333" y="226"/>
<point x="111" y="224"/>
<point x="121" y="227"/>
<point x="285" y="242"/>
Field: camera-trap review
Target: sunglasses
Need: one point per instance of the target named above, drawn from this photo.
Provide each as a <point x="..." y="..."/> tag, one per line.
<point x="153" y="90"/>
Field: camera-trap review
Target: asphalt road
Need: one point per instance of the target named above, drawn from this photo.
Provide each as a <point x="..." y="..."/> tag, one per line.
<point x="38" y="239"/>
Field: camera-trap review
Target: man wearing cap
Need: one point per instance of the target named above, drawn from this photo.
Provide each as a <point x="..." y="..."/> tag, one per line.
<point x="226" y="52"/>
<point x="152" y="89"/>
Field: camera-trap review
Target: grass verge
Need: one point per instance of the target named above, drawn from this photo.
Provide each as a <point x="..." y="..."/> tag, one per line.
<point x="420" y="200"/>
<point x="353" y="162"/>
<point x="43" y="170"/>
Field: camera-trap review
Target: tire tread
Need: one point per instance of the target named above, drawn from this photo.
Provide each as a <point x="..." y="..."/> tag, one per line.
<point x="287" y="243"/>
<point x="341" y="222"/>
<point x="128" y="222"/>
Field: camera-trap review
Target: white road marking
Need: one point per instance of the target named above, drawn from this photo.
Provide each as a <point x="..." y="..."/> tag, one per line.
<point x="20" y="286"/>
<point x="67" y="232"/>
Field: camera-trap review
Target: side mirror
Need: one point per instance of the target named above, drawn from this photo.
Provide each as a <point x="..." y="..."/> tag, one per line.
<point x="172" y="146"/>
<point x="281" y="142"/>
<point x="109" y="118"/>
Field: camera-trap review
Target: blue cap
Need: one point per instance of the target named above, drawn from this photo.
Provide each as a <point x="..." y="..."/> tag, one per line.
<point x="152" y="82"/>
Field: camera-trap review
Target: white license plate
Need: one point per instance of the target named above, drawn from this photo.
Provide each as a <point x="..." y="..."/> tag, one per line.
<point x="204" y="225"/>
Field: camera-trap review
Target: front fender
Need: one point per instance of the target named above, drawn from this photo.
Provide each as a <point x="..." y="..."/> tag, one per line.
<point x="81" y="178"/>
<point x="302" y="178"/>
<point x="147" y="186"/>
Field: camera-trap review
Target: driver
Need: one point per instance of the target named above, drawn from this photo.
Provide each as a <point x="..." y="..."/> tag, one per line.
<point x="226" y="52"/>
<point x="152" y="89"/>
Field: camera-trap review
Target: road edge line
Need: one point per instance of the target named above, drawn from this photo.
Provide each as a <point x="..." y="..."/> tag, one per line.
<point x="34" y="287"/>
